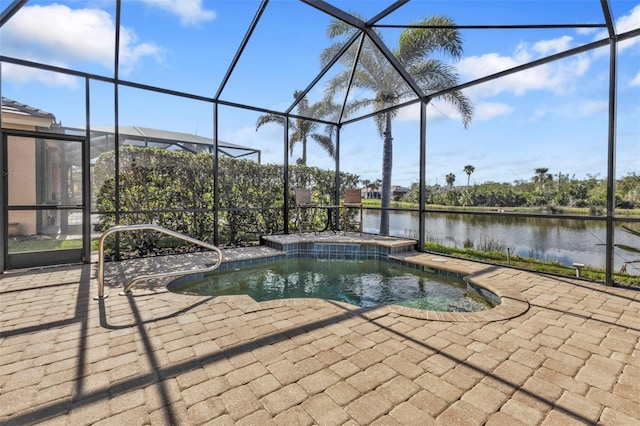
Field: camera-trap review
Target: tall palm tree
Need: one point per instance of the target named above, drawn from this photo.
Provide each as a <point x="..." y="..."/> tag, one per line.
<point x="303" y="129"/>
<point x="468" y="169"/>
<point x="375" y="74"/>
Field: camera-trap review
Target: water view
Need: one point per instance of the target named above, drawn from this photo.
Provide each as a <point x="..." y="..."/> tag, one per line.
<point x="562" y="240"/>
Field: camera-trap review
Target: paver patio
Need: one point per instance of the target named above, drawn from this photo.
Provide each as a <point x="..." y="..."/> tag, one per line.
<point x="565" y="352"/>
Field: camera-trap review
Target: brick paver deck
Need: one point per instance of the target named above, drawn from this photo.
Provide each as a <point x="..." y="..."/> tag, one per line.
<point x="565" y="352"/>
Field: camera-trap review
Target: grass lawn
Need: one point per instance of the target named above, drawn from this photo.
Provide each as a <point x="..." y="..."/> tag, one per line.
<point x="42" y="245"/>
<point x="500" y="258"/>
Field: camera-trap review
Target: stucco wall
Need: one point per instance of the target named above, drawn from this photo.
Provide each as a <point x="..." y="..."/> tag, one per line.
<point x="22" y="182"/>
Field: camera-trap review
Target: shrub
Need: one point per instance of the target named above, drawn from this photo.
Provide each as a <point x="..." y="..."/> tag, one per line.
<point x="176" y="190"/>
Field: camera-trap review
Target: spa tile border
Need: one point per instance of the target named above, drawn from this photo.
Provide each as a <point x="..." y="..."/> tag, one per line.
<point x="351" y="246"/>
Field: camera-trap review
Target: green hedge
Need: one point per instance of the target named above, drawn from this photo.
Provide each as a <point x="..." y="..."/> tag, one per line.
<point x="251" y="195"/>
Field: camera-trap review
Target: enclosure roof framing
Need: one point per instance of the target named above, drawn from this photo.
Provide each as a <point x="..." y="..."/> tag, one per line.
<point x="368" y="28"/>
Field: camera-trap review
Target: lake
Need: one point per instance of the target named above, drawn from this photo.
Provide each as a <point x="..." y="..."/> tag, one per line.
<point x="563" y="240"/>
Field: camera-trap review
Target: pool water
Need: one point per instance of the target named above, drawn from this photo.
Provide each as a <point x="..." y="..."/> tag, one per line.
<point x="362" y="283"/>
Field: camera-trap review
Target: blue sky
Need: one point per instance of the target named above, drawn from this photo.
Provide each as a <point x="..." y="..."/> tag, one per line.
<point x="552" y="116"/>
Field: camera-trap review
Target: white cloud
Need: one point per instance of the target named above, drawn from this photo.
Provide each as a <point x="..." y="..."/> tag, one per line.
<point x="487" y="110"/>
<point x="636" y="80"/>
<point x="437" y="110"/>
<point x="20" y="74"/>
<point x="409" y="113"/>
<point x="571" y="110"/>
<point x="629" y="22"/>
<point x="480" y="66"/>
<point x="557" y="77"/>
<point x="586" y="31"/>
<point x="190" y="12"/>
<point x="57" y="34"/>
<point x="548" y="47"/>
<point x="131" y="53"/>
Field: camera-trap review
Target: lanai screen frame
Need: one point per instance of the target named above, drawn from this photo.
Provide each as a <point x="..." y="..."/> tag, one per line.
<point x="366" y="28"/>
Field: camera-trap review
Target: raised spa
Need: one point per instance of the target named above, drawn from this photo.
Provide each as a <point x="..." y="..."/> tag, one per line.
<point x="362" y="283"/>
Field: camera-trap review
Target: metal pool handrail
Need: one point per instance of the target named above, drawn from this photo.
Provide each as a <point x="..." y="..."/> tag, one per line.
<point x="130" y="284"/>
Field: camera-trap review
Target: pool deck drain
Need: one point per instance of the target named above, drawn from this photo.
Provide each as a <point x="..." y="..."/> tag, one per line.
<point x="154" y="357"/>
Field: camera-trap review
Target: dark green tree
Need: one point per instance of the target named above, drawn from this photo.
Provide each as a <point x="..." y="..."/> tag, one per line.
<point x="450" y="178"/>
<point x="416" y="51"/>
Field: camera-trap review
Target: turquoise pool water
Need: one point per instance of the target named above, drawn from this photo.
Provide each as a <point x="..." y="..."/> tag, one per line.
<point x="363" y="283"/>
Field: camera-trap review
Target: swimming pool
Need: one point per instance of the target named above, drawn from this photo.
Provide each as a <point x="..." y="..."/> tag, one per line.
<point x="364" y="283"/>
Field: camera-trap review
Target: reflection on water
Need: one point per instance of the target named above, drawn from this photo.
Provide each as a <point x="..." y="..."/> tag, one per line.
<point x="363" y="283"/>
<point x="562" y="240"/>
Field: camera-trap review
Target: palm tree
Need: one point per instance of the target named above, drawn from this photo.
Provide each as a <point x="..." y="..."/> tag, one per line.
<point x="303" y="129"/>
<point x="375" y="73"/>
<point x="468" y="169"/>
<point x="450" y="178"/>
<point x="541" y="176"/>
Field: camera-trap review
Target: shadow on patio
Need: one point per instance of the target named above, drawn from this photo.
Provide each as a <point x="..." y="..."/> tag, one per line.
<point x="159" y="357"/>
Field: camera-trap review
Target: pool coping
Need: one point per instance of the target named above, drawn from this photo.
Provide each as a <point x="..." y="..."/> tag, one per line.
<point x="512" y="303"/>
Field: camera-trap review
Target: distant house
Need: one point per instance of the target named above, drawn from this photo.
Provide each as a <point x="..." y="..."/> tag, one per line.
<point x="397" y="191"/>
<point x="371" y="192"/>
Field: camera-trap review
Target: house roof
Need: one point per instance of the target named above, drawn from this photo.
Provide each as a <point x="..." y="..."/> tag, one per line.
<point x="149" y="134"/>
<point x="14" y="107"/>
<point x="135" y="132"/>
<point x="131" y="135"/>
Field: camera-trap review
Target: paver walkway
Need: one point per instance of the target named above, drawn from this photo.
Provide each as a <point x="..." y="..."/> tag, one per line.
<point x="570" y="356"/>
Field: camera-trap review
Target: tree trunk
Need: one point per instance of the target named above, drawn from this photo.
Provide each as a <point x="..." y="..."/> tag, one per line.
<point x="304" y="151"/>
<point x="387" y="160"/>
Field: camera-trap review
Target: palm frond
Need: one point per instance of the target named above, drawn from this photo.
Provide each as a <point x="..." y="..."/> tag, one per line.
<point x="269" y="118"/>
<point x="296" y="136"/>
<point x="375" y="73"/>
<point x="417" y="43"/>
<point x="631" y="230"/>
<point x="338" y="28"/>
<point x="326" y="143"/>
<point x="627" y="248"/>
<point x="330" y="52"/>
<point x="463" y="105"/>
<point x="358" y="104"/>
<point x="433" y="75"/>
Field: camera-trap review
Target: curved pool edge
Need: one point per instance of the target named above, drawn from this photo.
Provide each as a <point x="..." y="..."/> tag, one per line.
<point x="495" y="279"/>
<point x="512" y="304"/>
<point x="490" y="277"/>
